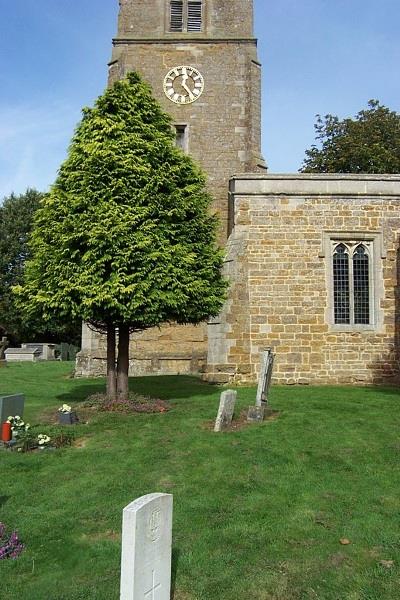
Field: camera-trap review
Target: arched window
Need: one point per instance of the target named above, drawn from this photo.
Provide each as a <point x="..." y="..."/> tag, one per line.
<point x="341" y="288"/>
<point x="351" y="269"/>
<point x="361" y="285"/>
<point x="185" y="15"/>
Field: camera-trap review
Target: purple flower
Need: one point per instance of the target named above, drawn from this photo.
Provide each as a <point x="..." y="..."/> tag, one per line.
<point x="10" y="545"/>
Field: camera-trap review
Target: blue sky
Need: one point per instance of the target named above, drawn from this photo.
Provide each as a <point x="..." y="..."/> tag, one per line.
<point x="318" y="56"/>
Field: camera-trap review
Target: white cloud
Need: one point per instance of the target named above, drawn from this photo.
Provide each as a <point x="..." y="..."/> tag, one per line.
<point x="33" y="143"/>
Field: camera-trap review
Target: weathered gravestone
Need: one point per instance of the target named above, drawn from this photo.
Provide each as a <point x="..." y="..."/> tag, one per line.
<point x="225" y="410"/>
<point x="264" y="382"/>
<point x="146" y="548"/>
<point x="3" y="347"/>
<point x="256" y="413"/>
<point x="10" y="406"/>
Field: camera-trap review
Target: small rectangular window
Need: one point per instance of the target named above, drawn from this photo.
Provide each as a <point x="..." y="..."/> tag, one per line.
<point x="181" y="137"/>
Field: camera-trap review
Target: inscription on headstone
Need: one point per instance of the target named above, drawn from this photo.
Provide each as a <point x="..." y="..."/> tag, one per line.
<point x="146" y="548"/>
<point x="225" y="410"/>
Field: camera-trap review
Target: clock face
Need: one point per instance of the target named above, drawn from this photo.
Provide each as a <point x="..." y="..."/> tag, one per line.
<point x="183" y="85"/>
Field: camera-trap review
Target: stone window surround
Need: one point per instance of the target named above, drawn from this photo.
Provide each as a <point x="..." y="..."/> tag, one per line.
<point x="182" y="127"/>
<point x="184" y="32"/>
<point x="374" y="239"/>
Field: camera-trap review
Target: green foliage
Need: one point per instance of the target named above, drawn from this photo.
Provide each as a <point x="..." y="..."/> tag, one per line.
<point x="16" y="222"/>
<point x="369" y="143"/>
<point x="16" y="219"/>
<point x="125" y="235"/>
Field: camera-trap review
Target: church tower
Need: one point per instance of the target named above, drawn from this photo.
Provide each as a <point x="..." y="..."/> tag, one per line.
<point x="200" y="59"/>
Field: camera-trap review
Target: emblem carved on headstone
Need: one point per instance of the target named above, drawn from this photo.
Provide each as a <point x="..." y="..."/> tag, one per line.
<point x="154" y="529"/>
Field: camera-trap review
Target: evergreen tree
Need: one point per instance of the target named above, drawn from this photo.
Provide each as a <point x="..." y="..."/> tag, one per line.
<point x="369" y="143"/>
<point x="125" y="239"/>
<point x="16" y="220"/>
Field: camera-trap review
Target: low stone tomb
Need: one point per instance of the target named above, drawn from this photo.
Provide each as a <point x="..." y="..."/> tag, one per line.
<point x="146" y="548"/>
<point x="225" y="410"/>
<point x="10" y="406"/>
<point x="47" y="351"/>
<point x="22" y="354"/>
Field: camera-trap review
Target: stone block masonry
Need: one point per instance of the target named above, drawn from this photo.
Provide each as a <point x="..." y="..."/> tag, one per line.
<point x="280" y="265"/>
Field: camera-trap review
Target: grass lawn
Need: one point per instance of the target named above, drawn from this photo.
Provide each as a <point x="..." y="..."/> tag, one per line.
<point x="258" y="512"/>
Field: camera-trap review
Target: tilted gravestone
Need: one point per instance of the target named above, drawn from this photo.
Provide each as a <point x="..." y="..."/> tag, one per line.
<point x="264" y="382"/>
<point x="146" y="548"/>
<point x="10" y="406"/>
<point x="225" y="410"/>
<point x="256" y="413"/>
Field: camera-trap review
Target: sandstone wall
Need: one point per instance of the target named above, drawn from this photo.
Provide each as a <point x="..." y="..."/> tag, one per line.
<point x="279" y="254"/>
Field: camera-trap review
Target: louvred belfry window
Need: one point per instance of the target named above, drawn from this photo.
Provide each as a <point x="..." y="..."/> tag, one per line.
<point x="176" y="15"/>
<point x="194" y="16"/>
<point x="186" y="15"/>
<point x="351" y="269"/>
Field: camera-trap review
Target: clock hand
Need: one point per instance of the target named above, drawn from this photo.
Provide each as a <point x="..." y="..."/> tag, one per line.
<point x="185" y="77"/>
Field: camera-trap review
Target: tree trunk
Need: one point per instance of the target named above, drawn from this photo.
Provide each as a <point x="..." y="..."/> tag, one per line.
<point x="123" y="363"/>
<point x="111" y="370"/>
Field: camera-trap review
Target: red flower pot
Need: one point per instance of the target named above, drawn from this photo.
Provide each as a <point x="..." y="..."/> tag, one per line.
<point x="6" y="434"/>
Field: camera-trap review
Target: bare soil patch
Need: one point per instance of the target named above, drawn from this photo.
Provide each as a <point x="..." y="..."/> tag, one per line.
<point x="241" y="421"/>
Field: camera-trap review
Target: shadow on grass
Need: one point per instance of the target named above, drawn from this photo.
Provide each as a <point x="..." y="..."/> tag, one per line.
<point x="174" y="570"/>
<point x="3" y="499"/>
<point x="387" y="389"/>
<point x="166" y="387"/>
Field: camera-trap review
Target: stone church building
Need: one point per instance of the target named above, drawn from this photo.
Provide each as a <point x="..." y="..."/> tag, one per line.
<point x="312" y="260"/>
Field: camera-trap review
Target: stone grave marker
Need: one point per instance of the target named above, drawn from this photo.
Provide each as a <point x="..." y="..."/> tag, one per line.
<point x="225" y="410"/>
<point x="3" y="347"/>
<point x="10" y="406"/>
<point x="256" y="413"/>
<point x="146" y="548"/>
<point x="264" y="382"/>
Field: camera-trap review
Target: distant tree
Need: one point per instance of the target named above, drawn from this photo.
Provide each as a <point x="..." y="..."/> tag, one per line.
<point x="125" y="239"/>
<point x="369" y="143"/>
<point x="16" y="222"/>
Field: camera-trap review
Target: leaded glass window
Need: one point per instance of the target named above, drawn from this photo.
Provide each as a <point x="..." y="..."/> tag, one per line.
<point x="341" y="288"/>
<point x="351" y="270"/>
<point x="361" y="286"/>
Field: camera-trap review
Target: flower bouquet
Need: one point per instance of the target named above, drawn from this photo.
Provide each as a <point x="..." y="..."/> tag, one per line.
<point x="67" y="416"/>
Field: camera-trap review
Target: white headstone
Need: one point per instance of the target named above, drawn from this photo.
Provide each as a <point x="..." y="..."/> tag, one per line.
<point x="146" y="548"/>
<point x="225" y="410"/>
